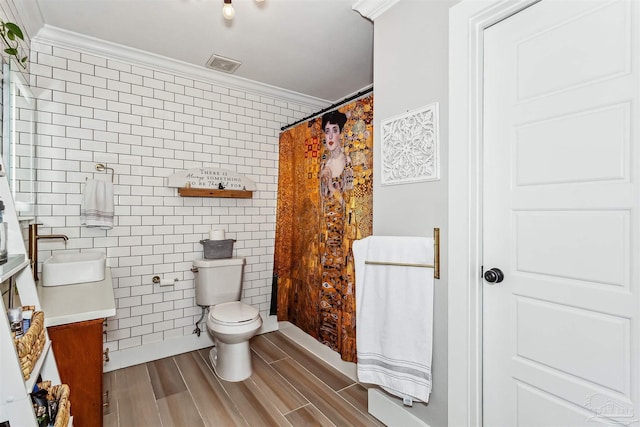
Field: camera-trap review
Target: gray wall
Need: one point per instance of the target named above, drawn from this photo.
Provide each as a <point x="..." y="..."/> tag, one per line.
<point x="411" y="71"/>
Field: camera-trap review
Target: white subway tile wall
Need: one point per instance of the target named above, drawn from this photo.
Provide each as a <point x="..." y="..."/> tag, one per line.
<point x="146" y="125"/>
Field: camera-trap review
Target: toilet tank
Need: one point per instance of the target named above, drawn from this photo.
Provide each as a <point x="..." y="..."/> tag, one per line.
<point x="218" y="280"/>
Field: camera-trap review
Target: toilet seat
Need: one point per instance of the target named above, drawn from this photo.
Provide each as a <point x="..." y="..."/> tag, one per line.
<point x="233" y="313"/>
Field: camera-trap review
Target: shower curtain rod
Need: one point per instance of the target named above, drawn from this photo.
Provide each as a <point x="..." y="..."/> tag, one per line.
<point x="329" y="108"/>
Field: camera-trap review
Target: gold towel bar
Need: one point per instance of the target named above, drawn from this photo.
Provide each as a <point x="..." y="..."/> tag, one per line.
<point x="400" y="264"/>
<point x="436" y="257"/>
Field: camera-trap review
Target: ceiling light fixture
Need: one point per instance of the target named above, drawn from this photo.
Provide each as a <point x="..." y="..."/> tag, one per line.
<point x="227" y="10"/>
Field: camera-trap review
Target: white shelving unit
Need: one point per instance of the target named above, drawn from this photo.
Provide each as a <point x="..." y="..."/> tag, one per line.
<point x="15" y="402"/>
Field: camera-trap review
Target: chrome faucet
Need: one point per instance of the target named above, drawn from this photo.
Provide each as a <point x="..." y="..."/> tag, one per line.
<point x="33" y="246"/>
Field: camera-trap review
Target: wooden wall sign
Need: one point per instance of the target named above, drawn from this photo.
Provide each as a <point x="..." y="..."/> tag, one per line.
<point x="211" y="182"/>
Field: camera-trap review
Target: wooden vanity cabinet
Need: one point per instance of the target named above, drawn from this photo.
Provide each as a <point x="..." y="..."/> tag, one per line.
<point x="78" y="352"/>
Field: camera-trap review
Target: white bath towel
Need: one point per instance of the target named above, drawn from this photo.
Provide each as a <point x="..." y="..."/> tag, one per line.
<point x="97" y="204"/>
<point x="394" y="314"/>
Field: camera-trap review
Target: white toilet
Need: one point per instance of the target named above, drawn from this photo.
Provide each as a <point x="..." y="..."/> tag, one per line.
<point x="231" y="322"/>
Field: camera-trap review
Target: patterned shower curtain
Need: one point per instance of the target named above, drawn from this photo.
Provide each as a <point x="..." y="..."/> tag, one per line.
<point x="325" y="188"/>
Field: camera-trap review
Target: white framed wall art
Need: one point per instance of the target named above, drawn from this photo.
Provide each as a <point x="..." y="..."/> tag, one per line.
<point x="411" y="146"/>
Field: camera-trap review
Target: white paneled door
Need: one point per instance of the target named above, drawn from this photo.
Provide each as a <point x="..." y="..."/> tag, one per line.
<point x="561" y="170"/>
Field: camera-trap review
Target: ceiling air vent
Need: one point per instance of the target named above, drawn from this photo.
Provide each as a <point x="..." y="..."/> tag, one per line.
<point x="220" y="63"/>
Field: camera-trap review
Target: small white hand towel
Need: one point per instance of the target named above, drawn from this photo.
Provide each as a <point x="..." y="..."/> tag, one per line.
<point x="394" y="314"/>
<point x="97" y="204"/>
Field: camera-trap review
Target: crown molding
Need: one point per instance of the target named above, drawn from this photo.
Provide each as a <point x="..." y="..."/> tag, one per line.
<point x="372" y="9"/>
<point x="94" y="46"/>
<point x="30" y="15"/>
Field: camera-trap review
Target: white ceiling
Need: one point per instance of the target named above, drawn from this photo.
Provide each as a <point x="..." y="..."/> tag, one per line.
<point x="319" y="48"/>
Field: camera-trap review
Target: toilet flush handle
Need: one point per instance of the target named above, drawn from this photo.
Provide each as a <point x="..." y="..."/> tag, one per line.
<point x="194" y="269"/>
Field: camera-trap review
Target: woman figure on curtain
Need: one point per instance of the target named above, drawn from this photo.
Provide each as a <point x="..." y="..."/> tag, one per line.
<point x="336" y="172"/>
<point x="336" y="178"/>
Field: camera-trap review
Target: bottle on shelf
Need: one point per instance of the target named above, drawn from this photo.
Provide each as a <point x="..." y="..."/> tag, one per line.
<point x="15" y="321"/>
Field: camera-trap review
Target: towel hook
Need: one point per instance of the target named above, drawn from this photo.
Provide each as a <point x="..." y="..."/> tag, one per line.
<point x="100" y="167"/>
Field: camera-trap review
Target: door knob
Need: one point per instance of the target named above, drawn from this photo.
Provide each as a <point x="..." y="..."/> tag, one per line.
<point x="494" y="275"/>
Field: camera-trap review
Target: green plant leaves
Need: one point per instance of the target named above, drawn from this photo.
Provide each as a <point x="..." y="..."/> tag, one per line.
<point x="13" y="31"/>
<point x="9" y="32"/>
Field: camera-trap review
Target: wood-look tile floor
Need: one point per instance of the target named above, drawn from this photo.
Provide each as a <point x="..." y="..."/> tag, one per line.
<point x="289" y="387"/>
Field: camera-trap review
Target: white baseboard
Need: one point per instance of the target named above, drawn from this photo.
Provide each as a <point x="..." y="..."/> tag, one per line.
<point x="383" y="407"/>
<point x="153" y="351"/>
<point x="269" y="324"/>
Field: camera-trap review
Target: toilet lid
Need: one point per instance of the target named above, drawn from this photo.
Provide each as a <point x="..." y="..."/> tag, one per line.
<point x="234" y="312"/>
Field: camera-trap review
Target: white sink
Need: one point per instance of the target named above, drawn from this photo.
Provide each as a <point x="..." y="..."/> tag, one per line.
<point x="69" y="269"/>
